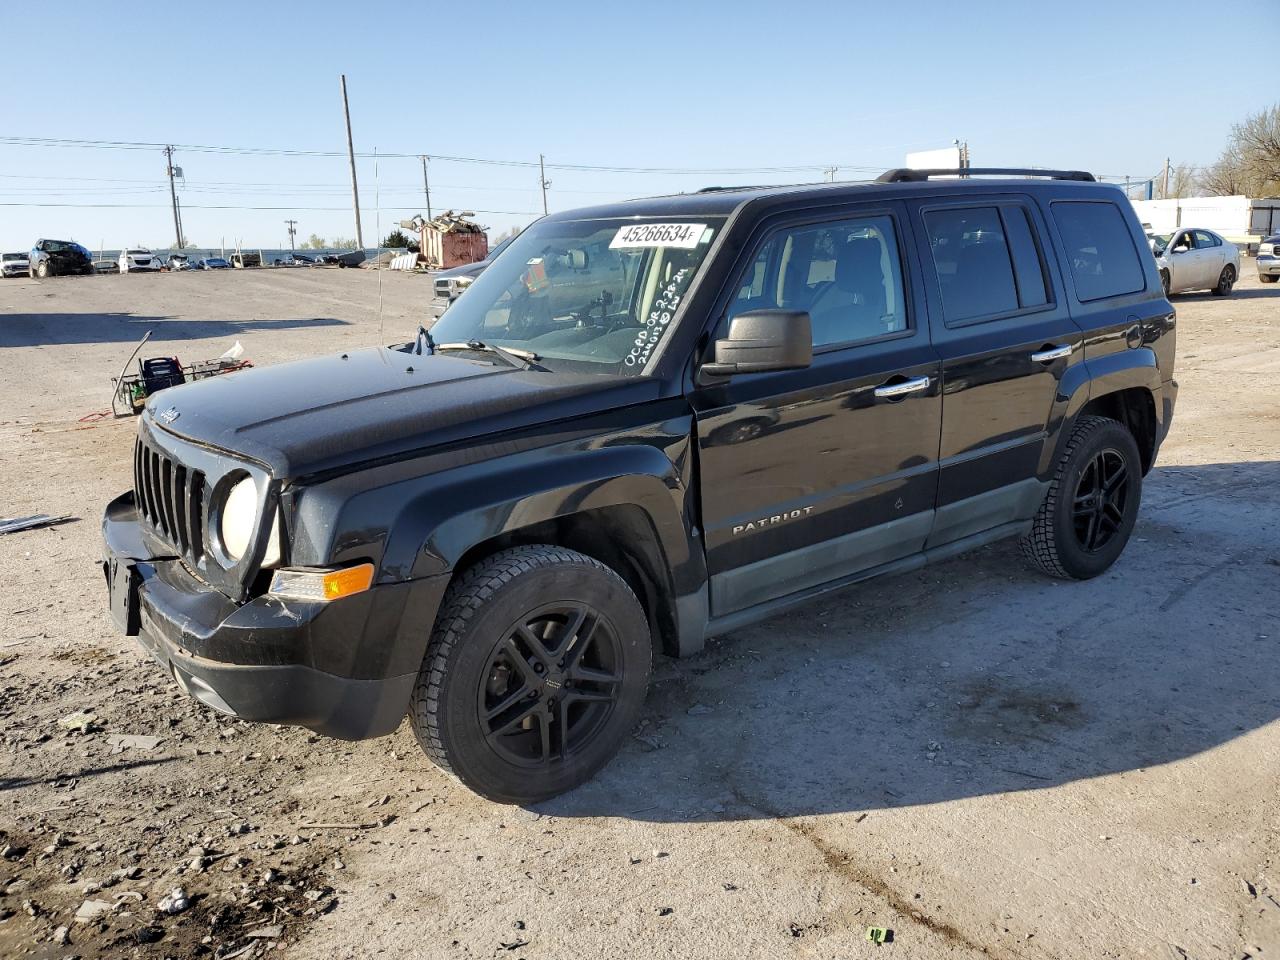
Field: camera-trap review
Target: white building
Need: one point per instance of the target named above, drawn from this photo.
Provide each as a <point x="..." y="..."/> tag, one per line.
<point x="1239" y="219"/>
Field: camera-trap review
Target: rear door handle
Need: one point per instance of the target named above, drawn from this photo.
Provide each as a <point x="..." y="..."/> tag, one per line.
<point x="1053" y="353"/>
<point x="892" y="390"/>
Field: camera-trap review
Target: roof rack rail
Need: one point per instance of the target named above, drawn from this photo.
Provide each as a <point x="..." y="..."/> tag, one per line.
<point x="907" y="175"/>
<point x="731" y="188"/>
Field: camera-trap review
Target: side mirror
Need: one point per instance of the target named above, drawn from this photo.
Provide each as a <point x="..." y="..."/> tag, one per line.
<point x="763" y="340"/>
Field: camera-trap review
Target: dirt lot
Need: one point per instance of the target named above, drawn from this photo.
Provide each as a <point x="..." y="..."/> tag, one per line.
<point x="987" y="762"/>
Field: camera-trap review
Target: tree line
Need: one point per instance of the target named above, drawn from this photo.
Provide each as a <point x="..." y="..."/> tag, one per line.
<point x="1249" y="164"/>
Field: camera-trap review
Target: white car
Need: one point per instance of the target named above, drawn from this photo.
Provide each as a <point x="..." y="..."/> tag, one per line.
<point x="1192" y="258"/>
<point x="140" y="259"/>
<point x="1268" y="259"/>
<point x="14" y="265"/>
<point x="180" y="261"/>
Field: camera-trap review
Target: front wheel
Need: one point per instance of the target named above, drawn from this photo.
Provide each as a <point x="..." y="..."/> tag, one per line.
<point x="42" y="271"/>
<point x="1268" y="278"/>
<point x="1226" y="280"/>
<point x="535" y="673"/>
<point x="1089" y="512"/>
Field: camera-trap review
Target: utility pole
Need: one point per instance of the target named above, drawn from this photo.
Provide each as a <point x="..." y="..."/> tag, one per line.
<point x="1164" y="189"/>
<point x="542" y="179"/>
<point x="351" y="155"/>
<point x="293" y="224"/>
<point x="173" y="195"/>
<point x="830" y="174"/>
<point x="426" y="186"/>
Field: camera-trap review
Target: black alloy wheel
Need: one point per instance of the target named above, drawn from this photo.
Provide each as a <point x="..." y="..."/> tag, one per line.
<point x="1099" y="505"/>
<point x="1091" y="506"/>
<point x="534" y="675"/>
<point x="551" y="685"/>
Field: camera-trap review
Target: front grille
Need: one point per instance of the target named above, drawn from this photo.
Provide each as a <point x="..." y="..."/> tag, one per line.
<point x="170" y="499"/>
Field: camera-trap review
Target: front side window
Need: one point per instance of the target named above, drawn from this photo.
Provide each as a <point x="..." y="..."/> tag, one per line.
<point x="847" y="274"/>
<point x="1100" y="249"/>
<point x="585" y="295"/>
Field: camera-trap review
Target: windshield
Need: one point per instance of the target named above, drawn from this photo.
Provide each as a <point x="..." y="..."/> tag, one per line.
<point x="15" y="256"/>
<point x="493" y="254"/>
<point x="589" y="295"/>
<point x="1159" y="241"/>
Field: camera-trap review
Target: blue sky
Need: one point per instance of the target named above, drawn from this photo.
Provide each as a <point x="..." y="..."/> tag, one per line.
<point x="658" y="85"/>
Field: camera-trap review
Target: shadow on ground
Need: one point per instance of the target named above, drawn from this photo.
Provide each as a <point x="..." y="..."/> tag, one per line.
<point x="977" y="676"/>
<point x="53" y="329"/>
<point x="14" y="783"/>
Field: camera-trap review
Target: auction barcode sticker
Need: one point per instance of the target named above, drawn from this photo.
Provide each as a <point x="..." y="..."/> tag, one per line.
<point x="684" y="236"/>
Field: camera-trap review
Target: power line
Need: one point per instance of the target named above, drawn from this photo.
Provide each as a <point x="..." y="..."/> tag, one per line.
<point x="232" y="206"/>
<point x="271" y="151"/>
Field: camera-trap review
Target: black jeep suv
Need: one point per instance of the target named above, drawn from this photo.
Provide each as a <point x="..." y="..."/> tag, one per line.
<point x="645" y="424"/>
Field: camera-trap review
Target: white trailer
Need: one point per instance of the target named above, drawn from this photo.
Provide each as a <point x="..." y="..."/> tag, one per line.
<point x="1241" y="220"/>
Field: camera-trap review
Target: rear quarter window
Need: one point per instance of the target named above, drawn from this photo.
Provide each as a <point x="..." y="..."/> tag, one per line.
<point x="1104" y="261"/>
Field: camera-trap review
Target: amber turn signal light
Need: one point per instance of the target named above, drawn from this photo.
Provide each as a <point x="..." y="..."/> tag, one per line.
<point x="299" y="583"/>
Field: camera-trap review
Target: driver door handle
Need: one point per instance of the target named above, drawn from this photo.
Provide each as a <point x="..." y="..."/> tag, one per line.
<point x="1053" y="353"/>
<point x="892" y="390"/>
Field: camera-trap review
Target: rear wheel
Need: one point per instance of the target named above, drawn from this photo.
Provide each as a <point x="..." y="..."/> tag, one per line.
<point x="1091" y="507"/>
<point x="1226" y="280"/>
<point x="536" y="671"/>
<point x="1166" y="282"/>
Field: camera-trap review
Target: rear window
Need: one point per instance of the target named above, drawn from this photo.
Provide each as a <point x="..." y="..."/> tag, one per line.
<point x="987" y="261"/>
<point x="972" y="260"/>
<point x="1104" y="261"/>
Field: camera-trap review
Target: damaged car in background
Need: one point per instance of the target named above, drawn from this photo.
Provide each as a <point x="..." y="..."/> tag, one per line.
<point x="646" y="424"/>
<point x="59" y="258"/>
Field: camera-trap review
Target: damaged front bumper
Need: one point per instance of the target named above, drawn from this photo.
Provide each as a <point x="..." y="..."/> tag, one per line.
<point x="344" y="668"/>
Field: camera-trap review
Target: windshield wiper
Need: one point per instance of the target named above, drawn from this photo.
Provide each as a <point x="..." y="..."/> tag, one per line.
<point x="424" y="336"/>
<point x="526" y="359"/>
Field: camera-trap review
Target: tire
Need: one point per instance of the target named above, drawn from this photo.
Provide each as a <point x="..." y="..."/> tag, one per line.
<point x="1080" y="531"/>
<point x="1226" y="280"/>
<point x="505" y="655"/>
<point x="42" y="271"/>
<point x="1265" y="278"/>
<point x="1166" y="283"/>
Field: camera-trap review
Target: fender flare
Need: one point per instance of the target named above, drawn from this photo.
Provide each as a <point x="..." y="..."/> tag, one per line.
<point x="438" y="524"/>
<point x="1098" y="377"/>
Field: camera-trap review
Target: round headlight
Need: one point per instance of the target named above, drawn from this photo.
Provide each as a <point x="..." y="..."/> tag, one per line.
<point x="238" y="513"/>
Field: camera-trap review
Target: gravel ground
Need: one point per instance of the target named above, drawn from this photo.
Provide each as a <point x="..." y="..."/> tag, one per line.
<point x="984" y="761"/>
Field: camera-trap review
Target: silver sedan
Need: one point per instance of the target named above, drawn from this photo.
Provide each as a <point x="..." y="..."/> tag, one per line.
<point x="1192" y="258"/>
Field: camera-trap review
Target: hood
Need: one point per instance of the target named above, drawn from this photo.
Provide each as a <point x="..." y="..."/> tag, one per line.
<point x="337" y="411"/>
<point x="466" y="270"/>
<point x="78" y="255"/>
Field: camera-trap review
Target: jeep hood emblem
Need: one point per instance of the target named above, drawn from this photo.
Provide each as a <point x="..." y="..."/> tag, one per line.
<point x="169" y="415"/>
